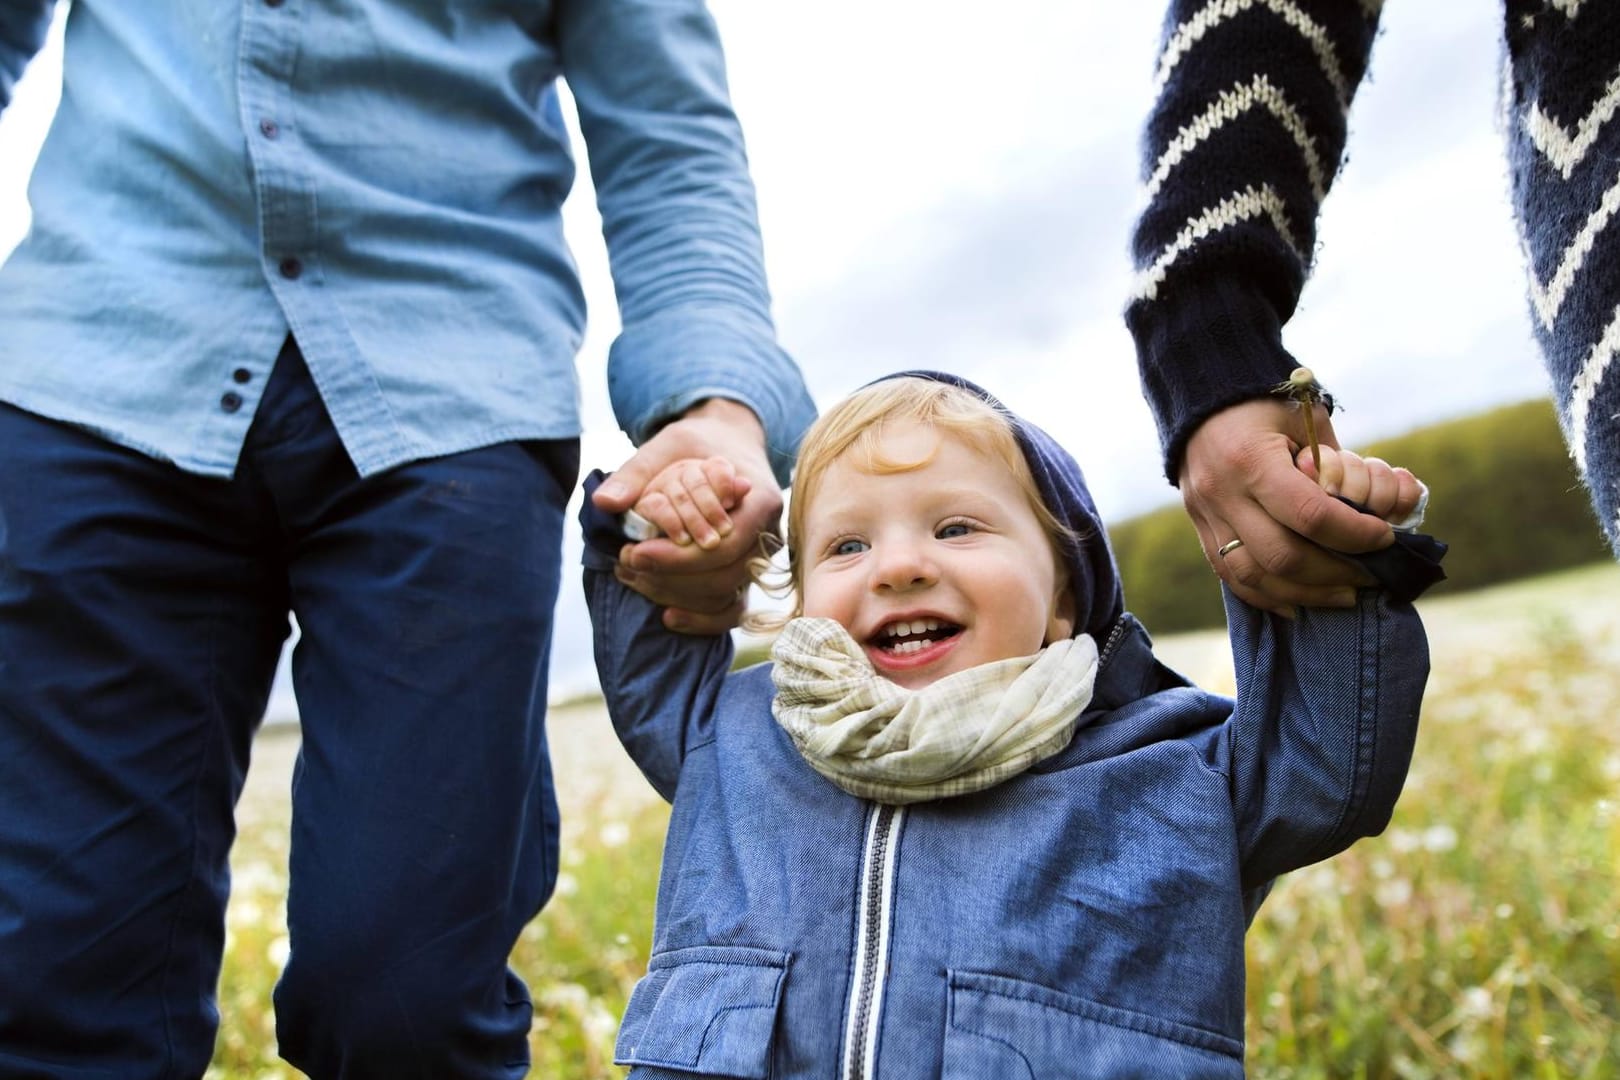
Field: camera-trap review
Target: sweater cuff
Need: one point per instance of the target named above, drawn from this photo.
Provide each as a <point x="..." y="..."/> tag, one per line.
<point x="1211" y="345"/>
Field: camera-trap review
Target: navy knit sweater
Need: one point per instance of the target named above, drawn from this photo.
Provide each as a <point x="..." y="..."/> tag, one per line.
<point x="1243" y="144"/>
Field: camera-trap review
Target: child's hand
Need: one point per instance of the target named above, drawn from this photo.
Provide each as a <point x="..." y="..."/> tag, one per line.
<point x="689" y="500"/>
<point x="1386" y="491"/>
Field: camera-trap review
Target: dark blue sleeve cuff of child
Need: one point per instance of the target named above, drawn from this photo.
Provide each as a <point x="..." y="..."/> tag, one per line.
<point x="603" y="534"/>
<point x="1407" y="567"/>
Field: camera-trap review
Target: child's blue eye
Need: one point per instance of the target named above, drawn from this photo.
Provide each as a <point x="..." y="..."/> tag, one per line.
<point x="849" y="547"/>
<point x="954" y="529"/>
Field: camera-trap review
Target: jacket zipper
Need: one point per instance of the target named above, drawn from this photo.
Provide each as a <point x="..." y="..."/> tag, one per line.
<point x="872" y="940"/>
<point x="1114" y="637"/>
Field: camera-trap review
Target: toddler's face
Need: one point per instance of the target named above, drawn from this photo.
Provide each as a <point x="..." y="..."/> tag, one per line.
<point x="933" y="570"/>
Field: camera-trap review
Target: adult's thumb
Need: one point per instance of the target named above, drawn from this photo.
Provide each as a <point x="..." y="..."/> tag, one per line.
<point x="621" y="489"/>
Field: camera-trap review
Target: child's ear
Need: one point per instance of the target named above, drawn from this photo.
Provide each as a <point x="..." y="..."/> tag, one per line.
<point x="1060" y="623"/>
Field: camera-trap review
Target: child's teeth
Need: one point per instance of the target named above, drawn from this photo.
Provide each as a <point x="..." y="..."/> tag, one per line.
<point x="915" y="626"/>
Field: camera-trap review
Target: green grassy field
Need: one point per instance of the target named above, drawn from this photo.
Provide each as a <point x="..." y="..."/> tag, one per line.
<point x="1478" y="937"/>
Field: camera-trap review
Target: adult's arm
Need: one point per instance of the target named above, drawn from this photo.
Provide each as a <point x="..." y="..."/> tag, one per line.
<point x="1241" y="147"/>
<point x="696" y="370"/>
<point x="23" y="25"/>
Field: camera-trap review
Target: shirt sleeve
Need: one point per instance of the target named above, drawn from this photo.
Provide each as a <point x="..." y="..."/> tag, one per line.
<point x="679" y="216"/>
<point x="23" y="25"/>
<point x="1323" y="728"/>
<point x="1241" y="147"/>
<point x="661" y="687"/>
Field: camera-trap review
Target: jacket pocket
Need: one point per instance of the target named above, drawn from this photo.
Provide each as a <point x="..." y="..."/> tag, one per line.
<point x="709" y="1010"/>
<point x="1004" y="1029"/>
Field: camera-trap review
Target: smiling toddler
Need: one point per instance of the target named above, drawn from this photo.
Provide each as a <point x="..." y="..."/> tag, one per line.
<point x="964" y="824"/>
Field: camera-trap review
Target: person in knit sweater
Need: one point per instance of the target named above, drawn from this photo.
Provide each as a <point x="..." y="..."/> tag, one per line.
<point x="1241" y="147"/>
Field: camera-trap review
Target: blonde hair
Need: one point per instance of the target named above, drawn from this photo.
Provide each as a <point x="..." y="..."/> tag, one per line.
<point x="856" y="426"/>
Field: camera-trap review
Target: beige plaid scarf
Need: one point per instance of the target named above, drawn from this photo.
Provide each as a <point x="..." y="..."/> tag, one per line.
<point x="963" y="733"/>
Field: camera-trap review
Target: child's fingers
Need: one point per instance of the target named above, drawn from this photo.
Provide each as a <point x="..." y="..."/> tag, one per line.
<point x="1331" y="477"/>
<point x="1383" y="487"/>
<point x="659" y="508"/>
<point x="1384" y="490"/>
<point x="1355" y="479"/>
<point x="1409" y="495"/>
<point x="729" y="485"/>
<point x="689" y="500"/>
<point x="702" y="513"/>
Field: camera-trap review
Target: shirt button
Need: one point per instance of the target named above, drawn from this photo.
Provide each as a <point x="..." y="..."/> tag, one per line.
<point x="242" y="375"/>
<point x="268" y="129"/>
<point x="231" y="401"/>
<point x="291" y="268"/>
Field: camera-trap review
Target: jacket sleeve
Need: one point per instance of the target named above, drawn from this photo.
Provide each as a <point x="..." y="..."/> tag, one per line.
<point x="1242" y="144"/>
<point x="23" y="25"/>
<point x="1323" y="728"/>
<point x="679" y="216"/>
<point x="661" y="687"/>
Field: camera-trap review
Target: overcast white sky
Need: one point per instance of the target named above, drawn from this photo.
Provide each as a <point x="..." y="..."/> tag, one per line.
<point x="943" y="187"/>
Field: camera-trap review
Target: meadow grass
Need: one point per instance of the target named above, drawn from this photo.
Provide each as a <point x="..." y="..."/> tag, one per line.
<point x="1479" y="937"/>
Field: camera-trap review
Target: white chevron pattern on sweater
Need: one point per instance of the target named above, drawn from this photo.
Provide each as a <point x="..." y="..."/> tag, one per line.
<point x="1585" y="388"/>
<point x="1557" y="145"/>
<point x="1229" y="106"/>
<point x="1241" y="206"/>
<point x="1549" y="298"/>
<point x="1216" y="12"/>
<point x="1571" y="8"/>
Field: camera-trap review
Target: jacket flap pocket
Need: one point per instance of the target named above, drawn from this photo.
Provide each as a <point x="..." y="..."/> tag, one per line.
<point x="709" y="1009"/>
<point x="1015" y="1030"/>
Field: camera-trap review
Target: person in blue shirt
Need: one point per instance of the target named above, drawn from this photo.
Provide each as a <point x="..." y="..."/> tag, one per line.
<point x="293" y="330"/>
<point x="964" y="824"/>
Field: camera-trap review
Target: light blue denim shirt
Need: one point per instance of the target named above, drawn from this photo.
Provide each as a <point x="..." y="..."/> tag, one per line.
<point x="384" y="179"/>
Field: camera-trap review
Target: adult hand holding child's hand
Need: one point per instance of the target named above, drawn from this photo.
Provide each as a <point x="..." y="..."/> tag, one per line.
<point x="704" y="479"/>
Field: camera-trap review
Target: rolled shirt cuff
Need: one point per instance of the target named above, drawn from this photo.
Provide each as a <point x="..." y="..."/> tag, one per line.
<point x="661" y="366"/>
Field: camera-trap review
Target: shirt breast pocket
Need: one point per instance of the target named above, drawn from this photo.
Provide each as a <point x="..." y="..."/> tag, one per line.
<point x="1005" y="1029"/>
<point x="707" y="1010"/>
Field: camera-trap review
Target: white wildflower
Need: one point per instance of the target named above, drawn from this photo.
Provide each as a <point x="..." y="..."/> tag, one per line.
<point x="1437" y="838"/>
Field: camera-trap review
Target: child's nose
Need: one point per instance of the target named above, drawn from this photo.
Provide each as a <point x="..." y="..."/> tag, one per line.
<point x="903" y="565"/>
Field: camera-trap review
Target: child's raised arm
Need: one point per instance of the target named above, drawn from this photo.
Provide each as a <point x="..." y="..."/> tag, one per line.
<point x="660" y="686"/>
<point x="1327" y="702"/>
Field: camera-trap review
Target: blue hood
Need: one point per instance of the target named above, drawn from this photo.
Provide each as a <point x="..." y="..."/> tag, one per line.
<point x="1093" y="576"/>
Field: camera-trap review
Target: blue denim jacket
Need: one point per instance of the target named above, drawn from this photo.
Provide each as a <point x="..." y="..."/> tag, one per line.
<point x="385" y="179"/>
<point x="1085" y="919"/>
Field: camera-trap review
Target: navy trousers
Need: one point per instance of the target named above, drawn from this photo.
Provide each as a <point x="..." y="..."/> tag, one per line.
<point x="142" y="612"/>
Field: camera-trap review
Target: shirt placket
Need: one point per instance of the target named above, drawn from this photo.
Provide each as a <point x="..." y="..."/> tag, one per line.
<point x="282" y="187"/>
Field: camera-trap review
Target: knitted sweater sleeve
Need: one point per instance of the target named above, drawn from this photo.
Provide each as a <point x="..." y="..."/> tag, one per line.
<point x="1562" y="118"/>
<point x="1242" y="144"/>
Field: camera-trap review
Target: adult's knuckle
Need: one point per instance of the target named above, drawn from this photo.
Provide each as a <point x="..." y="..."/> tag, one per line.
<point x="1287" y="561"/>
<point x="1201" y="486"/>
<point x="1250" y="575"/>
<point x="1312" y="512"/>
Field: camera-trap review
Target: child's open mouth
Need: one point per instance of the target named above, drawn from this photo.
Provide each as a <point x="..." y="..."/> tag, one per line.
<point x="904" y="638"/>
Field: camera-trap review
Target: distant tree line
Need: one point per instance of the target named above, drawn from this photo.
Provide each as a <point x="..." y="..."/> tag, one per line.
<point x="1505" y="497"/>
